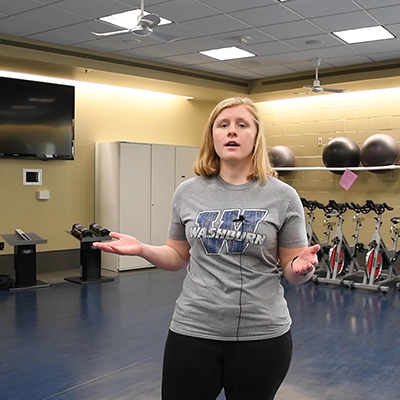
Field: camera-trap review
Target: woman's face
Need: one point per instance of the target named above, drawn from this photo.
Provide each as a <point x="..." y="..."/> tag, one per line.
<point x="234" y="132"/>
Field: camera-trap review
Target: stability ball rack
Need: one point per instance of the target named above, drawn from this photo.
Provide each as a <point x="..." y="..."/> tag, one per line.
<point x="90" y="260"/>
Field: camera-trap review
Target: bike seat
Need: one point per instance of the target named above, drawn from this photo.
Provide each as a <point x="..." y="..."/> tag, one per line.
<point x="395" y="220"/>
<point x="329" y="223"/>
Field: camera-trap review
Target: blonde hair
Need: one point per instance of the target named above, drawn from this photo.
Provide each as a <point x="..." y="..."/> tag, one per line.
<point x="208" y="162"/>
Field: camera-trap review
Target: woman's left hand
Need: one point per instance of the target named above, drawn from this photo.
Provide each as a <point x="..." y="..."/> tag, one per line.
<point x="306" y="261"/>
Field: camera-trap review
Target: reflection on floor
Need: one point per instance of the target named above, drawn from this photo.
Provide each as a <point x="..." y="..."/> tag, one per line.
<point x="104" y="341"/>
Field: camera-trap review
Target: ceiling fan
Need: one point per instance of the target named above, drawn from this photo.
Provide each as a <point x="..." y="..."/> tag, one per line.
<point x="316" y="86"/>
<point x="144" y="27"/>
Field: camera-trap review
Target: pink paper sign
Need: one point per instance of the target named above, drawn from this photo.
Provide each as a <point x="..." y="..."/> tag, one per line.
<point x="347" y="179"/>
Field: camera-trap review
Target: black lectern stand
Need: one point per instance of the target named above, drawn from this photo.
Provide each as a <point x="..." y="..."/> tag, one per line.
<point x="25" y="260"/>
<point x="90" y="259"/>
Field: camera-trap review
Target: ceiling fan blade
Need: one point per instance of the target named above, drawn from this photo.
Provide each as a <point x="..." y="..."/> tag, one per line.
<point x="164" y="37"/>
<point x="142" y="31"/>
<point x="332" y="90"/>
<point x="305" y="92"/>
<point x="317" y="89"/>
<point x="112" y="33"/>
<point x="149" y="20"/>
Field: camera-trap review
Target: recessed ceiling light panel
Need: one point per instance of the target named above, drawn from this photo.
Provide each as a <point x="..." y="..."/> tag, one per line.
<point x="227" y="53"/>
<point x="129" y="19"/>
<point x="363" y="35"/>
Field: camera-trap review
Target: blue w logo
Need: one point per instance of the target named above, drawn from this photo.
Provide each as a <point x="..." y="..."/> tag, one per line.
<point x="237" y="231"/>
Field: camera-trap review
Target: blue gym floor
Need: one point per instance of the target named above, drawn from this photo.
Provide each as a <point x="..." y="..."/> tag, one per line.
<point x="105" y="341"/>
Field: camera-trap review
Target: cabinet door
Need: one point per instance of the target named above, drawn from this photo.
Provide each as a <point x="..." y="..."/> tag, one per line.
<point x="107" y="185"/>
<point x="184" y="162"/>
<point x="135" y="197"/>
<point x="162" y="190"/>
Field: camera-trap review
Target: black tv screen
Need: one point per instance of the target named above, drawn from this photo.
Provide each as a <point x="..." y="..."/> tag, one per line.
<point x="36" y="120"/>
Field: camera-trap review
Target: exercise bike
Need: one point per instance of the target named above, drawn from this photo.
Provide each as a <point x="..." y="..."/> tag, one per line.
<point x="341" y="255"/>
<point x="354" y="269"/>
<point x="379" y="257"/>
<point x="312" y="236"/>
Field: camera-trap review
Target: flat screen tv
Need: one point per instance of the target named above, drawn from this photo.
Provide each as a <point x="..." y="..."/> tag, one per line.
<point x="36" y="120"/>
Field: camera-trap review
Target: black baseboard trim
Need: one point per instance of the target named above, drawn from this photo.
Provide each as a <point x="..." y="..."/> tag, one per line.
<point x="46" y="261"/>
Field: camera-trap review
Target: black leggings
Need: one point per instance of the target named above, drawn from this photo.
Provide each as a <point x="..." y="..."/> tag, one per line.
<point x="198" y="369"/>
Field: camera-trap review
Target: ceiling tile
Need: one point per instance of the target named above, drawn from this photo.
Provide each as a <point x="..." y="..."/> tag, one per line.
<point x="57" y="36"/>
<point x="215" y="66"/>
<point x="201" y="44"/>
<point x="312" y="9"/>
<point x="51" y="16"/>
<point x="337" y="51"/>
<point x="177" y="30"/>
<point x="318" y="41"/>
<point x="378" y="46"/>
<point x="345" y="61"/>
<point x="187" y="59"/>
<point x="157" y="51"/>
<point x="270" y="48"/>
<point x="243" y="74"/>
<point x="290" y="58"/>
<point x="394" y="29"/>
<point x="273" y="70"/>
<point x="251" y="63"/>
<point x="376" y="4"/>
<point x="85" y="28"/>
<point x="254" y="36"/>
<point x="268" y="15"/>
<point x="12" y="7"/>
<point x="302" y="66"/>
<point x="17" y="27"/>
<point x="293" y="29"/>
<point x="386" y="15"/>
<point x="216" y="24"/>
<point x="228" y="6"/>
<point x="353" y="20"/>
<point x="383" y="56"/>
<point x="45" y="2"/>
<point x="180" y="10"/>
<point x="93" y="8"/>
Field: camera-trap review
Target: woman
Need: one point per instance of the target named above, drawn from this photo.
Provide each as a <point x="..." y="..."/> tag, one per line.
<point x="229" y="226"/>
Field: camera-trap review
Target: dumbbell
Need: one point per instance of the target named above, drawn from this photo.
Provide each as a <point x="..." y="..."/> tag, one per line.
<point x="79" y="231"/>
<point x="99" y="230"/>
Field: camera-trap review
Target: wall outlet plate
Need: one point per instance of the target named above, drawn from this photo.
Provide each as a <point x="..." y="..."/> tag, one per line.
<point x="43" y="194"/>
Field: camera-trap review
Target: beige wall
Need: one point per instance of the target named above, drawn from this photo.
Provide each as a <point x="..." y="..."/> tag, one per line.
<point x="298" y="123"/>
<point x="103" y="113"/>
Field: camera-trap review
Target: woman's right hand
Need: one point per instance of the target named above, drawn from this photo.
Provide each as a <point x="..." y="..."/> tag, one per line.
<point x="172" y="256"/>
<point x="123" y="245"/>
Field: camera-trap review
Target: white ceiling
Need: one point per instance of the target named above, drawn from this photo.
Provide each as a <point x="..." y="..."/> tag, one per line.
<point x="280" y="33"/>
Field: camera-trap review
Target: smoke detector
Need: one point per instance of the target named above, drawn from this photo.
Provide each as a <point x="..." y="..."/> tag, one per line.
<point x="242" y="40"/>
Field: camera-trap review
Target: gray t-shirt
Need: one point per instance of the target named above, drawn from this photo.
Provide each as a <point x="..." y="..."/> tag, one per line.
<point x="232" y="289"/>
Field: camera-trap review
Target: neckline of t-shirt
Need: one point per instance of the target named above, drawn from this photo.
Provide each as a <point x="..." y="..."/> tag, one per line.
<point x="230" y="186"/>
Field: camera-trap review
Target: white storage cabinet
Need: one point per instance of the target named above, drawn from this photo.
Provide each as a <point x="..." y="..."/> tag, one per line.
<point x="134" y="185"/>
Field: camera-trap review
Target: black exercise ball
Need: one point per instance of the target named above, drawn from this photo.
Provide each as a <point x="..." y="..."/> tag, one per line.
<point x="341" y="152"/>
<point x="379" y="150"/>
<point x="282" y="156"/>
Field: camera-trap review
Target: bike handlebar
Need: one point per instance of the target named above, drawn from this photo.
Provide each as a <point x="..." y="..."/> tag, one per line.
<point x="341" y="208"/>
<point x="378" y="208"/>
